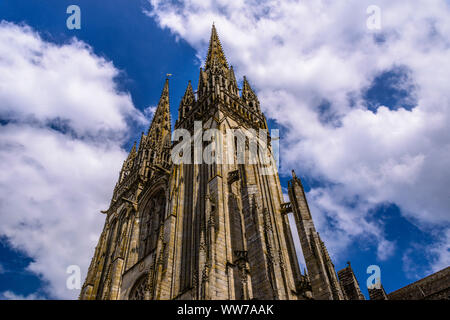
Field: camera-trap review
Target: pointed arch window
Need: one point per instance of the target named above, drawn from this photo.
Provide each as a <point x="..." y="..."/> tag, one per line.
<point x="152" y="217"/>
<point x="139" y="289"/>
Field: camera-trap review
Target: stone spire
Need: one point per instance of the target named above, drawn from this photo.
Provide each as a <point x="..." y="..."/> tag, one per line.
<point x="161" y="118"/>
<point x="159" y="132"/>
<point x="217" y="78"/>
<point x="215" y="51"/>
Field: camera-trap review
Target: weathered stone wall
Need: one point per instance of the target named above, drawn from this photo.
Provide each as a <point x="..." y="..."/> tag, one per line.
<point x="433" y="287"/>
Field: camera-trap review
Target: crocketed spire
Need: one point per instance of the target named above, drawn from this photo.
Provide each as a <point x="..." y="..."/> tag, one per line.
<point x="215" y="51"/>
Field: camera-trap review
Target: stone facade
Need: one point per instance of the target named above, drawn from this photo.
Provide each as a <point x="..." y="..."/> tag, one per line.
<point x="206" y="231"/>
<point x="433" y="287"/>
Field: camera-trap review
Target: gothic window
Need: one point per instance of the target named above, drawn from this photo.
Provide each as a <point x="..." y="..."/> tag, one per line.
<point x="152" y="157"/>
<point x="122" y="238"/>
<point x="138" y="291"/>
<point x="151" y="221"/>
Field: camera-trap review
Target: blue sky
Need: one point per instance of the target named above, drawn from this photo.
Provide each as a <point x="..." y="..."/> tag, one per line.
<point x="361" y="121"/>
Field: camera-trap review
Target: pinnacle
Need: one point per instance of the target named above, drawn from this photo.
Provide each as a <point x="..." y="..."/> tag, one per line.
<point x="189" y="89"/>
<point x="132" y="153"/>
<point x="233" y="77"/>
<point x="246" y="88"/>
<point x="246" y="85"/>
<point x="188" y="96"/>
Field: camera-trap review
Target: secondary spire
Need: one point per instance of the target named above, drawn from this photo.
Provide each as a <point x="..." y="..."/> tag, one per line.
<point x="161" y="118"/>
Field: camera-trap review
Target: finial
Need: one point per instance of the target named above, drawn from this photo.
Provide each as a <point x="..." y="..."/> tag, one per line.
<point x="294" y="175"/>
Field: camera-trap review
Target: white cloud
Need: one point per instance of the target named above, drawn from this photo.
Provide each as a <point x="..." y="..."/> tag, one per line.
<point x="52" y="188"/>
<point x="9" y="295"/>
<point x="149" y="112"/>
<point x="53" y="183"/>
<point x="438" y="253"/>
<point x="86" y="98"/>
<point x="300" y="54"/>
<point x="385" y="249"/>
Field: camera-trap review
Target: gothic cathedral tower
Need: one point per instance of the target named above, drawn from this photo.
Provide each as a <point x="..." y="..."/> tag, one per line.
<point x="206" y="229"/>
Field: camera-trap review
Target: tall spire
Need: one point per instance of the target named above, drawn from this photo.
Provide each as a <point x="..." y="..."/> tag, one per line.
<point x="215" y="51"/>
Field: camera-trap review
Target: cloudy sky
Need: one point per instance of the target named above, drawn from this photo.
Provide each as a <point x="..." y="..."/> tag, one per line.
<point x="364" y="116"/>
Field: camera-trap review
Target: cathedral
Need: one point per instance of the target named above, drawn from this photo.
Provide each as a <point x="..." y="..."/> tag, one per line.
<point x="209" y="230"/>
